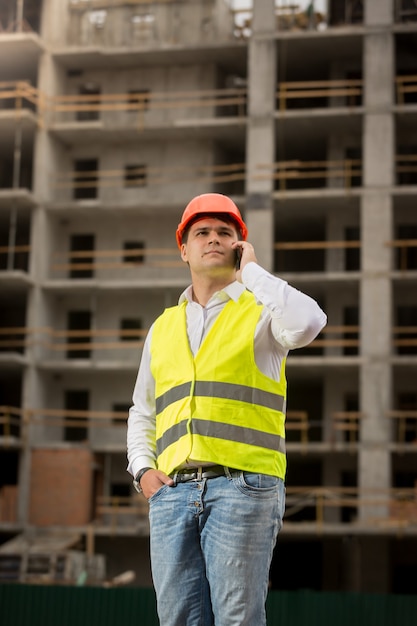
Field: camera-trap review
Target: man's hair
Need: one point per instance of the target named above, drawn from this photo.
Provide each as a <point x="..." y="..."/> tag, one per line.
<point x="223" y="217"/>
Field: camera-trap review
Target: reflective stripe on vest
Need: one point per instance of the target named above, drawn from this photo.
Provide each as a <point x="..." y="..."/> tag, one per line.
<point x="221" y="390"/>
<point x="217" y="406"/>
<point x="221" y="431"/>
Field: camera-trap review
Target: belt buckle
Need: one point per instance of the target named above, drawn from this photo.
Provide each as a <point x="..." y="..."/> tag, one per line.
<point x="199" y="473"/>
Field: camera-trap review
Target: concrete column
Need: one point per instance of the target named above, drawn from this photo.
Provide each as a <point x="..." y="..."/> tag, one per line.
<point x="33" y="388"/>
<point x="378" y="12"/>
<point x="374" y="471"/>
<point x="55" y="18"/>
<point x="260" y="144"/>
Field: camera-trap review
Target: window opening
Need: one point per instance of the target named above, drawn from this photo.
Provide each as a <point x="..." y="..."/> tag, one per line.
<point x="138" y="100"/>
<point x="129" y="328"/>
<point x="85" y="179"/>
<point x="92" y="100"/>
<point x="407" y="401"/>
<point x="76" y="400"/>
<point x="78" y="321"/>
<point x="135" y="175"/>
<point x="81" y="243"/>
<point x="351" y="318"/>
<point x="406" y="316"/>
<point x="123" y="409"/>
<point x="352" y="255"/>
<point x="407" y="255"/>
<point x="132" y="254"/>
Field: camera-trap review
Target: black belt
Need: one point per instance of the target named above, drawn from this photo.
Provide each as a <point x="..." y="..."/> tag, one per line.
<point x="198" y="473"/>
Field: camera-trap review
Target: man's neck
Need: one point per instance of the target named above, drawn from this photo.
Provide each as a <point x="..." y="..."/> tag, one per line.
<point x="203" y="289"/>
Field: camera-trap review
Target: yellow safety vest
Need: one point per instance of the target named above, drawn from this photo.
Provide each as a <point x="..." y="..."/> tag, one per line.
<point x="217" y="407"/>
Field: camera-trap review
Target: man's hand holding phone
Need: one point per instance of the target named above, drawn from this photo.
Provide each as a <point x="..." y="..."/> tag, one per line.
<point x="245" y="253"/>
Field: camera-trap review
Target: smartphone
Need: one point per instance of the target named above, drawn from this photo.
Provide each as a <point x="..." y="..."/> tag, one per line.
<point x="238" y="252"/>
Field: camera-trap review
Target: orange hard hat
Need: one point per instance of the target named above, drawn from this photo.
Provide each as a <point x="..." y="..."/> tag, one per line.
<point x="210" y="203"/>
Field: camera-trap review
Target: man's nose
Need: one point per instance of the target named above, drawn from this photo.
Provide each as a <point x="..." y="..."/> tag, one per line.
<point x="213" y="237"/>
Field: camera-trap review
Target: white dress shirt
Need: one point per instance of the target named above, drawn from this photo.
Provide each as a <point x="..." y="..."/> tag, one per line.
<point x="290" y="319"/>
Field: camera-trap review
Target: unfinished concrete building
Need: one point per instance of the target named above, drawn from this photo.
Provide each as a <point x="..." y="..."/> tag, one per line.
<point x="112" y="116"/>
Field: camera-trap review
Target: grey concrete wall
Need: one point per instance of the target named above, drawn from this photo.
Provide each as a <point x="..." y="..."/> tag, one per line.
<point x="156" y="23"/>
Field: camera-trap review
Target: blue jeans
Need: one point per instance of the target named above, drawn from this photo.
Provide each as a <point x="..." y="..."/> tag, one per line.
<point x="211" y="548"/>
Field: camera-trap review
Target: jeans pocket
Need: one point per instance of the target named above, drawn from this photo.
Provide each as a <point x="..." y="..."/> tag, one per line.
<point x="155" y="496"/>
<point x="259" y="481"/>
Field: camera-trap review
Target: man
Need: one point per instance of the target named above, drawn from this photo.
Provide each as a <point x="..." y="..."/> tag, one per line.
<point x="206" y="435"/>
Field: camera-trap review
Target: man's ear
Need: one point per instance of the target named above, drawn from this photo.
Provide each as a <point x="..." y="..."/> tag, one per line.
<point x="184" y="252"/>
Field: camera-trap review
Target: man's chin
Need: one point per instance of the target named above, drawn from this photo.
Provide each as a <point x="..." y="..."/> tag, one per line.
<point x="214" y="255"/>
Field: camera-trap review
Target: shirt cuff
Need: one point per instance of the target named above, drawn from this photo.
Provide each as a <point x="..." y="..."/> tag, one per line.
<point x="139" y="463"/>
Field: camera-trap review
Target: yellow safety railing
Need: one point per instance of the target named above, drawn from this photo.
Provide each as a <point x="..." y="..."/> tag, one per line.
<point x="11" y="419"/>
<point x="406" y="164"/>
<point x="115" y="511"/>
<point x="347" y="422"/>
<point x="397" y="507"/>
<point x="82" y="5"/>
<point x="142" y="101"/>
<point x="168" y="257"/>
<point x="405" y="85"/>
<point x="18" y="95"/>
<point x="70" y="340"/>
<point x="298" y="421"/>
<point x="406" y="424"/>
<point x="404" y="246"/>
<point x="341" y="340"/>
<point x="117" y="259"/>
<point x="409" y="341"/>
<point x="75" y="418"/>
<point x="349" y="89"/>
<point x="154" y="176"/>
<point x="106" y="338"/>
<point x="349" y="171"/>
<point x="296" y="170"/>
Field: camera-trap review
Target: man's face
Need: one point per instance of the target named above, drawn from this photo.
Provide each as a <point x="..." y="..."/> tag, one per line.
<point x="208" y="246"/>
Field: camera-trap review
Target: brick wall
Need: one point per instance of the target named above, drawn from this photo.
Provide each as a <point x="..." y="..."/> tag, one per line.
<point x="61" y="487"/>
<point x="8" y="503"/>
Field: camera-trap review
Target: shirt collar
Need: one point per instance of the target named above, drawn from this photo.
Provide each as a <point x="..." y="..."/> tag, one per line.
<point x="233" y="291"/>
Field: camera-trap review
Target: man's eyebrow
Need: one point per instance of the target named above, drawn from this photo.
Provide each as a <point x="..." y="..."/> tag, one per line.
<point x="226" y="228"/>
<point x="208" y="227"/>
<point x="197" y="228"/>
